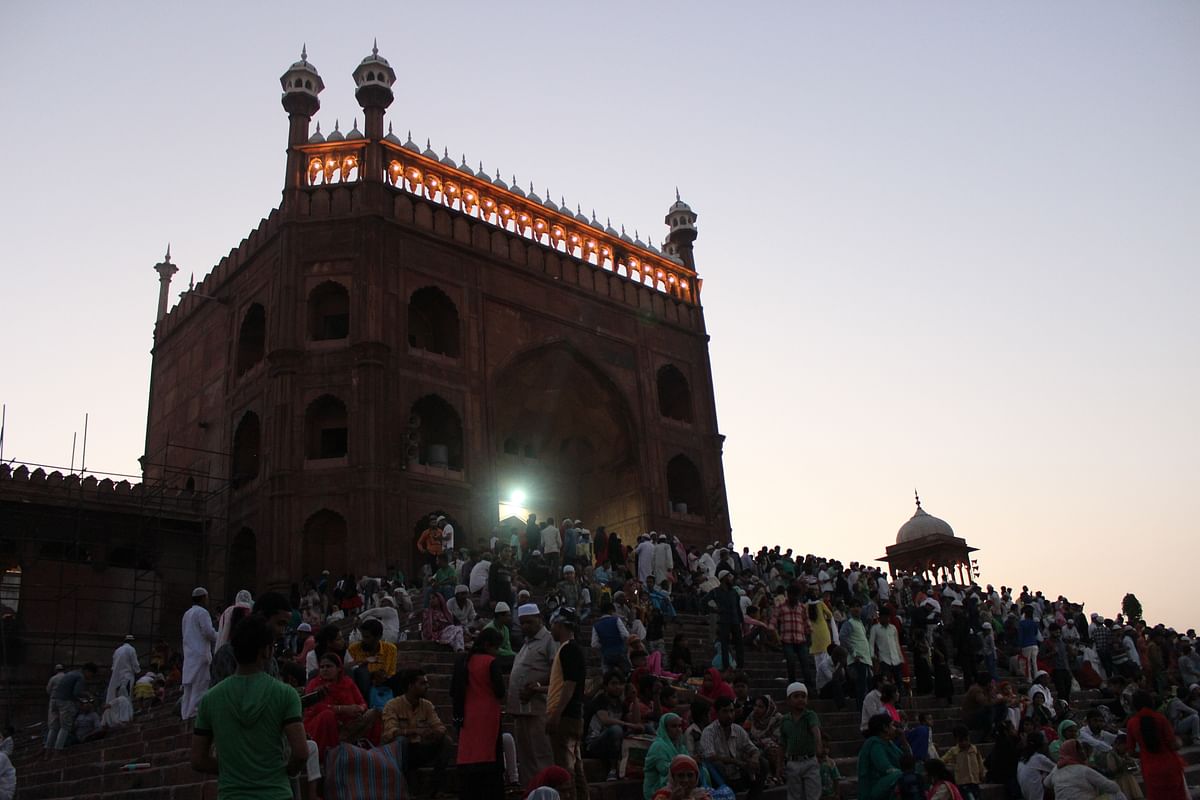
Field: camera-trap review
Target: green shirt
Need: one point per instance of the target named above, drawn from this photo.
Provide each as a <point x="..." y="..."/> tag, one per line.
<point x="505" y="639"/>
<point x="245" y="716"/>
<point x="798" y="736"/>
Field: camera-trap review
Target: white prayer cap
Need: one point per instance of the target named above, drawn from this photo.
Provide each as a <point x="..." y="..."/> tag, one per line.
<point x="529" y="610"/>
<point x="199" y="591"/>
<point x="502" y="608"/>
<point x="129" y="637"/>
<point x="568" y="569"/>
<point x="304" y="626"/>
<point x="461" y="589"/>
<point x="797" y="687"/>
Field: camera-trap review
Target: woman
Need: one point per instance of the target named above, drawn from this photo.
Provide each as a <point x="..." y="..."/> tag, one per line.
<point x="312" y="606"/>
<point x="600" y="547"/>
<point x="1157" y="748"/>
<point x="684" y="783"/>
<point x="941" y="783"/>
<point x="242" y="599"/>
<point x="763" y="726"/>
<point x="477" y="689"/>
<point x="616" y="551"/>
<point x="714" y="686"/>
<point x="1073" y="779"/>
<point x="328" y="640"/>
<point x="438" y="625"/>
<point x="1035" y="765"/>
<point x="879" y="760"/>
<point x="667" y="744"/>
<point x="340" y="713"/>
<point x="1067" y="729"/>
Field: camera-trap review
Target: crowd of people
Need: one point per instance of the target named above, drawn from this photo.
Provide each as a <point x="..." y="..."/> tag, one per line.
<point x="511" y="607"/>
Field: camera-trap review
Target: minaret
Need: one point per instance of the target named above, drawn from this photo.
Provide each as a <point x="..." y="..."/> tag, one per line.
<point x="301" y="85"/>
<point x="373" y="78"/>
<point x="165" y="270"/>
<point x="682" y="222"/>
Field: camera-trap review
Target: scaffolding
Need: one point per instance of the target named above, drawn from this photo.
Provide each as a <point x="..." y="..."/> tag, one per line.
<point x="88" y="558"/>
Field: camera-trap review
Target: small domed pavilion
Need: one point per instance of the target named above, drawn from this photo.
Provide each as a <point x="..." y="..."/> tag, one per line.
<point x="927" y="546"/>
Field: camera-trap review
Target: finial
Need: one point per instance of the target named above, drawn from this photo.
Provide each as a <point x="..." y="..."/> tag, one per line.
<point x="192" y="282"/>
<point x="464" y="159"/>
<point x="336" y="122"/>
<point x="445" y="152"/>
<point x="389" y="128"/>
<point x="676" y="194"/>
<point x="304" y="52"/>
<point x="410" y="134"/>
<point x="531" y="188"/>
<point x="579" y="210"/>
<point x="562" y="201"/>
<point x="319" y="126"/>
<point x="480" y="166"/>
<point x="514" y="180"/>
<point x="375" y="47"/>
<point x="167" y="257"/>
<point x="622" y="230"/>
<point x="918" y="498"/>
<point x="608" y="222"/>
<point x="428" y="146"/>
<point x="355" y="125"/>
<point x="594" y="215"/>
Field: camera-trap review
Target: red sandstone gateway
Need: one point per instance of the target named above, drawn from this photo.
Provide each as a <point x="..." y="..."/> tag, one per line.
<point x="405" y="334"/>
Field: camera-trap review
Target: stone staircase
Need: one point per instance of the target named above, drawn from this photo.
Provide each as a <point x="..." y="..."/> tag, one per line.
<point x="94" y="771"/>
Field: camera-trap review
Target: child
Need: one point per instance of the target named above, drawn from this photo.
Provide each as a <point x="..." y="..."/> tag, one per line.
<point x="966" y="762"/>
<point x="742" y="704"/>
<point x="940" y="785"/>
<point x="800" y="739"/>
<point x="910" y="786"/>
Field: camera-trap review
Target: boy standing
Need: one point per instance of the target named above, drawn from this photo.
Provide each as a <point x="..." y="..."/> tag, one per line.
<point x="243" y="716"/>
<point x="800" y="736"/>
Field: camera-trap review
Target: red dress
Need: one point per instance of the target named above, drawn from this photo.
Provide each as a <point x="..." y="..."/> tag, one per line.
<point x="1162" y="771"/>
<point x="481" y="717"/>
<point x="320" y="722"/>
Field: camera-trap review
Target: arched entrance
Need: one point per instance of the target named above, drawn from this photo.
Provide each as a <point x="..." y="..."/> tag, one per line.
<point x="243" y="564"/>
<point x="564" y="438"/>
<point x="324" y="544"/>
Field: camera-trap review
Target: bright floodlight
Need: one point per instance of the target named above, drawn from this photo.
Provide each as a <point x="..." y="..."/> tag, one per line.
<point x="518" y="497"/>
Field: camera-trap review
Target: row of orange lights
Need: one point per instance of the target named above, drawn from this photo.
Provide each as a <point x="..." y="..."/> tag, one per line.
<point x="469" y="200"/>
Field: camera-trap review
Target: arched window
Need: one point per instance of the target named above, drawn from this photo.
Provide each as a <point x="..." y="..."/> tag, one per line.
<point x="685" y="490"/>
<point x="674" y="396"/>
<point x="329" y="312"/>
<point x="252" y="338"/>
<point x="243" y="562"/>
<point x="323" y="546"/>
<point x="433" y="322"/>
<point x="246" y="441"/>
<point x="325" y="429"/>
<point x="439" y="433"/>
<point x="10" y="589"/>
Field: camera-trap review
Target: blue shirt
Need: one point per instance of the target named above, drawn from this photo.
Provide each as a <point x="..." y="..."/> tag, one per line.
<point x="1027" y="632"/>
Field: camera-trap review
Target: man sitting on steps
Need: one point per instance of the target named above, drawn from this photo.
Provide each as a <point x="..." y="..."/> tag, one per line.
<point x="729" y="753"/>
<point x="414" y="719"/>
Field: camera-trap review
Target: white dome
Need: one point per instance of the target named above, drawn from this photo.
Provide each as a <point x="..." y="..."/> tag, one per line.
<point x="921" y="526"/>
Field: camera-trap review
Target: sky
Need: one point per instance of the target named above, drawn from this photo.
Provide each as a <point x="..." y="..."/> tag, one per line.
<point x="945" y="246"/>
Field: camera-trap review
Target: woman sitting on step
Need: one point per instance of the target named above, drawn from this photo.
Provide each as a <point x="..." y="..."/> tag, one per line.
<point x="338" y="713"/>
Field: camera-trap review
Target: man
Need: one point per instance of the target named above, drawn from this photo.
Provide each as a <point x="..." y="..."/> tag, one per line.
<point x="501" y="622"/>
<point x="564" y="704"/>
<point x="1189" y="665"/>
<point x="1041" y="685"/>
<point x="388" y="617"/>
<point x="610" y="637"/>
<point x="585" y="549"/>
<point x="374" y="659"/>
<point x="800" y="738"/>
<point x="569" y="587"/>
<point x="462" y="608"/>
<point x="430" y="543"/>
<point x="551" y="545"/>
<point x="477" y="578"/>
<point x="792" y="624"/>
<point x="199" y="636"/>
<point x="1062" y="663"/>
<point x="125" y="669"/>
<point x="447" y="530"/>
<point x="1029" y="632"/>
<point x="644" y="557"/>
<point x="526" y="701"/>
<point x="853" y="635"/>
<point x="729" y="619"/>
<point x="661" y="561"/>
<point x="727" y="748"/>
<point x="606" y="728"/>
<point x="8" y="778"/>
<point x="51" y="710"/>
<point x="68" y="693"/>
<point x="277" y="611"/>
<point x="244" y="716"/>
<point x="413" y="719"/>
<point x="884" y="642"/>
<point x="1093" y="733"/>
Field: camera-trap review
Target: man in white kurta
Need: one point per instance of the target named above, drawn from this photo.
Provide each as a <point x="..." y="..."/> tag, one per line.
<point x="199" y="636"/>
<point x="644" y="558"/>
<point x="661" y="560"/>
<point x="125" y="669"/>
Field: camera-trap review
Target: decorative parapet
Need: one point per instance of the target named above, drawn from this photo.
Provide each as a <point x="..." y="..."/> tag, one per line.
<point x="341" y="162"/>
<point x="21" y="480"/>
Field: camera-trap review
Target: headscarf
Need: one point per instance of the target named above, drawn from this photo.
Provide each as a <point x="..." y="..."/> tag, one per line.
<point x="435" y="617"/>
<point x="544" y="793"/>
<point x="719" y="688"/>
<point x="1070" y="753"/>
<point x="663" y="738"/>
<point x="768" y="727"/>
<point x="1056" y="745"/>
<point x="682" y="763"/>
<point x="242" y="599"/>
<point x="552" y="778"/>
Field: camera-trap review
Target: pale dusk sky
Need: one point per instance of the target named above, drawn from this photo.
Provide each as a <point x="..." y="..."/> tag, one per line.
<point x="945" y="246"/>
